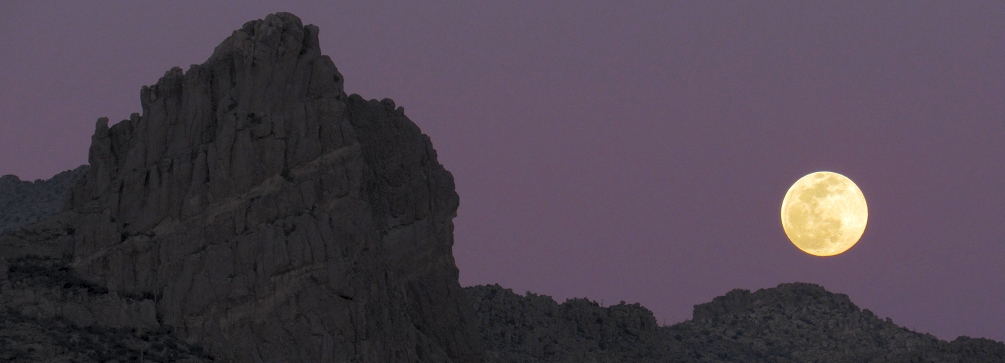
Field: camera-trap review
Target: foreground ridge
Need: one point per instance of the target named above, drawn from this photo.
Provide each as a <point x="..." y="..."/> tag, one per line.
<point x="794" y="322"/>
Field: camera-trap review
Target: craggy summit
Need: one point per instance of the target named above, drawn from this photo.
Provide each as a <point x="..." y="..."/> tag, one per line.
<point x="257" y="209"/>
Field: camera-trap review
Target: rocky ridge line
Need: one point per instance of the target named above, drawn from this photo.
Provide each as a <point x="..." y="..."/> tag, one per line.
<point x="795" y="322"/>
<point x="26" y="202"/>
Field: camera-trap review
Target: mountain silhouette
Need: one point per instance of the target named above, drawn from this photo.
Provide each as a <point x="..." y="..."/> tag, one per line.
<point x="255" y="212"/>
<point x="794" y="322"/>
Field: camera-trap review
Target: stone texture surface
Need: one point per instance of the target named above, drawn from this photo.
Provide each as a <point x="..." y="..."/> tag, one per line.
<point x="264" y="214"/>
<point x="534" y="328"/>
<point x="47" y="314"/>
<point x="790" y="323"/>
<point x="26" y="202"/>
<point x="805" y="323"/>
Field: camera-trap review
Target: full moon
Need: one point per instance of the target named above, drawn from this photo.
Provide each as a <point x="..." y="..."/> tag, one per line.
<point x="824" y="213"/>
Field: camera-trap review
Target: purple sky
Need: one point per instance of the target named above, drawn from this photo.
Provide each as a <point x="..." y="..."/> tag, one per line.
<point x="635" y="153"/>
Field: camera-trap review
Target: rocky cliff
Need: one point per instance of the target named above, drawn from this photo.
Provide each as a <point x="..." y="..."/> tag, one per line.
<point x="790" y="323"/>
<point x="257" y="210"/>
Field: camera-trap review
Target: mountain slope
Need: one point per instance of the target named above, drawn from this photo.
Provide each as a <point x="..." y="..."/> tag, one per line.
<point x="794" y="322"/>
<point x="26" y="202"/>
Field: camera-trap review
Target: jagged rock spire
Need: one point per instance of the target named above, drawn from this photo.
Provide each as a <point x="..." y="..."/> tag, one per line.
<point x="274" y="218"/>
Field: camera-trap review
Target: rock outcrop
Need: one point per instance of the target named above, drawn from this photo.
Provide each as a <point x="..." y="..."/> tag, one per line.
<point x="257" y="210"/>
<point x="534" y="328"/>
<point x="800" y="322"/>
<point x="790" y="323"/>
<point x="26" y="202"/>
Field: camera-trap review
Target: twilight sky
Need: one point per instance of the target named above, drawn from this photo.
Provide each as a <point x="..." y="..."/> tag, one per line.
<point x="621" y="152"/>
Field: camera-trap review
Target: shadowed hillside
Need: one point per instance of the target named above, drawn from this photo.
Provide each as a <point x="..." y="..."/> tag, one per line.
<point x="24" y="202"/>
<point x="794" y="322"/>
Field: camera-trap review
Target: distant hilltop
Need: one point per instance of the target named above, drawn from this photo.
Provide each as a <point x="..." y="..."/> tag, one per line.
<point x="794" y="322"/>
<point x="26" y="202"/>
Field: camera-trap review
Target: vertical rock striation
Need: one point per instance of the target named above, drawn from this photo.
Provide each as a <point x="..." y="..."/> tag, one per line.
<point x="274" y="218"/>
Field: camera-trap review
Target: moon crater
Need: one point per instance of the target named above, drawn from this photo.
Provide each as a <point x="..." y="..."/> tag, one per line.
<point x="824" y="213"/>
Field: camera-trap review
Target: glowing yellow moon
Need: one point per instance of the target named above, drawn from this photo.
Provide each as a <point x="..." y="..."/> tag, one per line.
<point x="824" y="213"/>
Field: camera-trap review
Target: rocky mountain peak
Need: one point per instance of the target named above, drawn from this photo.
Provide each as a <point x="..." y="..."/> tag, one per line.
<point x="264" y="78"/>
<point x="256" y="209"/>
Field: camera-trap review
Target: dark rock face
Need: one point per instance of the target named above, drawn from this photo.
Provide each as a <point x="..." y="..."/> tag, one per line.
<point x="26" y="202"/>
<point x="533" y="328"/>
<point x="266" y="215"/>
<point x="790" y="323"/>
